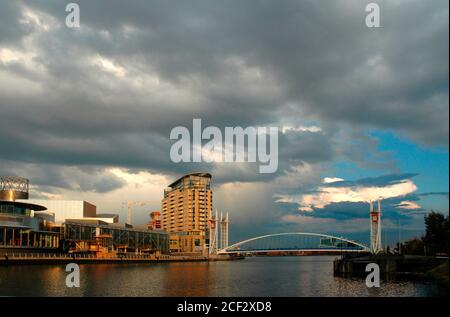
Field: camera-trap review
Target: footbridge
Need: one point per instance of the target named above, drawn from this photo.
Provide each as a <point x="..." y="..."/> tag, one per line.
<point x="298" y="242"/>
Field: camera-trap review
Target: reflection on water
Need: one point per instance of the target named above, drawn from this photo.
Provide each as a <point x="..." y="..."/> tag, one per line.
<point x="262" y="276"/>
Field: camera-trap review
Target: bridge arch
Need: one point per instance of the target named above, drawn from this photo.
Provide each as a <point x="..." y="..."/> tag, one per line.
<point x="295" y="241"/>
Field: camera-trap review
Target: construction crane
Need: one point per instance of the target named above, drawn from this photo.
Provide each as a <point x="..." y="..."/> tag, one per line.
<point x="130" y="204"/>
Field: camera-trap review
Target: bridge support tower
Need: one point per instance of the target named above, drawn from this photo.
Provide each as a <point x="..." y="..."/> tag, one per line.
<point x="223" y="231"/>
<point x="375" y="228"/>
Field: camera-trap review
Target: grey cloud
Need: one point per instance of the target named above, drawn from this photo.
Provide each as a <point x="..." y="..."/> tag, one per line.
<point x="232" y="64"/>
<point x="319" y="53"/>
<point x="50" y="178"/>
<point x="11" y="30"/>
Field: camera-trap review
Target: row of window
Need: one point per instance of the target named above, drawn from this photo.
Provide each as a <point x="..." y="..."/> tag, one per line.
<point x="16" y="237"/>
<point x="11" y="209"/>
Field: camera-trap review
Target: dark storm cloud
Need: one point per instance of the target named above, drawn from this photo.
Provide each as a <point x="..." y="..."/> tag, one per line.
<point x="10" y="28"/>
<point x="230" y="63"/>
<point x="50" y="178"/>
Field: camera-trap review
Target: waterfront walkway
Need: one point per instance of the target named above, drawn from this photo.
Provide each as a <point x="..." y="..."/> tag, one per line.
<point x="54" y="258"/>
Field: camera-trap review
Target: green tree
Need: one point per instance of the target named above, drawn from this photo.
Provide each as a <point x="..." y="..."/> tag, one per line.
<point x="437" y="236"/>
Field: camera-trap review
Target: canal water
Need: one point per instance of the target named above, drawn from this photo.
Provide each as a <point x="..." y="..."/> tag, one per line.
<point x="256" y="276"/>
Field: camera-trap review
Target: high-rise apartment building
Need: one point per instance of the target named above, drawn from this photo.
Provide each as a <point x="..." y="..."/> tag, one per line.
<point x="186" y="210"/>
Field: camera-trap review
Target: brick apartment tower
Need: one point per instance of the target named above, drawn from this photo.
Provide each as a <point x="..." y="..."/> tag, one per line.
<point x="186" y="209"/>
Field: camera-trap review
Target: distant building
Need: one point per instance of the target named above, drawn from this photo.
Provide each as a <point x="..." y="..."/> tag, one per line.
<point x="66" y="209"/>
<point x="108" y="218"/>
<point x="155" y="221"/>
<point x="186" y="210"/>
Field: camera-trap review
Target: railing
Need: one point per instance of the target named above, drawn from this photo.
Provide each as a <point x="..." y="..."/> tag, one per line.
<point x="66" y="256"/>
<point x="21" y="255"/>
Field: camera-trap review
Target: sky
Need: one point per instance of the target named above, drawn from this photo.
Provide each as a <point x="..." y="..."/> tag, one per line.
<point x="86" y="113"/>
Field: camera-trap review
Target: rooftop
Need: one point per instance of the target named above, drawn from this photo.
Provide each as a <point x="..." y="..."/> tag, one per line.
<point x="23" y="204"/>
<point x="107" y="215"/>
<point x="190" y="174"/>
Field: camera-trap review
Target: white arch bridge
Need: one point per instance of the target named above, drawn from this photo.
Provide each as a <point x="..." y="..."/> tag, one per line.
<point x="310" y="243"/>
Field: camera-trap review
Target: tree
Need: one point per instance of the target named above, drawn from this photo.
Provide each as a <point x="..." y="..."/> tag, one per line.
<point x="437" y="236"/>
<point x="413" y="246"/>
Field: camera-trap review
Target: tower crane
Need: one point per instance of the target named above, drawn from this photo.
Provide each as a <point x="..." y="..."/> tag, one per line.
<point x="131" y="203"/>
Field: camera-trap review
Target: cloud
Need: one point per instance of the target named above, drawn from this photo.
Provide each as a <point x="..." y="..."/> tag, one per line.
<point x="409" y="205"/>
<point x="328" y="180"/>
<point x="79" y="104"/>
<point x="105" y="94"/>
<point x="51" y="179"/>
<point x="360" y="191"/>
<point x="304" y="223"/>
<point x="312" y="128"/>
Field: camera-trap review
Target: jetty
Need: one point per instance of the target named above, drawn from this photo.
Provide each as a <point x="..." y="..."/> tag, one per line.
<point x="395" y="267"/>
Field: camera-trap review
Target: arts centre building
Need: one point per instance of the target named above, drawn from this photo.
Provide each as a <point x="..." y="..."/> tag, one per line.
<point x="67" y="226"/>
<point x="23" y="225"/>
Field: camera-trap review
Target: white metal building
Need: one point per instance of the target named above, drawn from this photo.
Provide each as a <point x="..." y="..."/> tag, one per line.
<point x="66" y="209"/>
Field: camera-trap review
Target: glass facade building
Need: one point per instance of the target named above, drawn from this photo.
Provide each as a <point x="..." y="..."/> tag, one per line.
<point x="20" y="226"/>
<point x="114" y="237"/>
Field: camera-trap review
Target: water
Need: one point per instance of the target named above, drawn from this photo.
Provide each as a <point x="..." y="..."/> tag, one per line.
<point x="257" y="276"/>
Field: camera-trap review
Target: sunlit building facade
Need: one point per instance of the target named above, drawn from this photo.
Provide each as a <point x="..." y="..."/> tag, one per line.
<point x="23" y="225"/>
<point x="67" y="226"/>
<point x="186" y="209"/>
<point x="67" y="209"/>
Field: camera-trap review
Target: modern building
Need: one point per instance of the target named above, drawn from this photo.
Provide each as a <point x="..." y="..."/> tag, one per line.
<point x="96" y="236"/>
<point x="67" y="226"/>
<point x="155" y="220"/>
<point x="186" y="210"/>
<point x="108" y="218"/>
<point x="23" y="225"/>
<point x="66" y="209"/>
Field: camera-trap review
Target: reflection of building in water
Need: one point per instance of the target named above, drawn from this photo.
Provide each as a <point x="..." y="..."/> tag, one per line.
<point x="191" y="279"/>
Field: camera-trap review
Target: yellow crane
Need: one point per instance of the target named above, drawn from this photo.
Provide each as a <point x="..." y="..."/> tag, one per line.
<point x="130" y="204"/>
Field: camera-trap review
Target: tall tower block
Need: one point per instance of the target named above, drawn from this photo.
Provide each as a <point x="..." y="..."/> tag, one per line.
<point x="186" y="212"/>
<point x="375" y="228"/>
